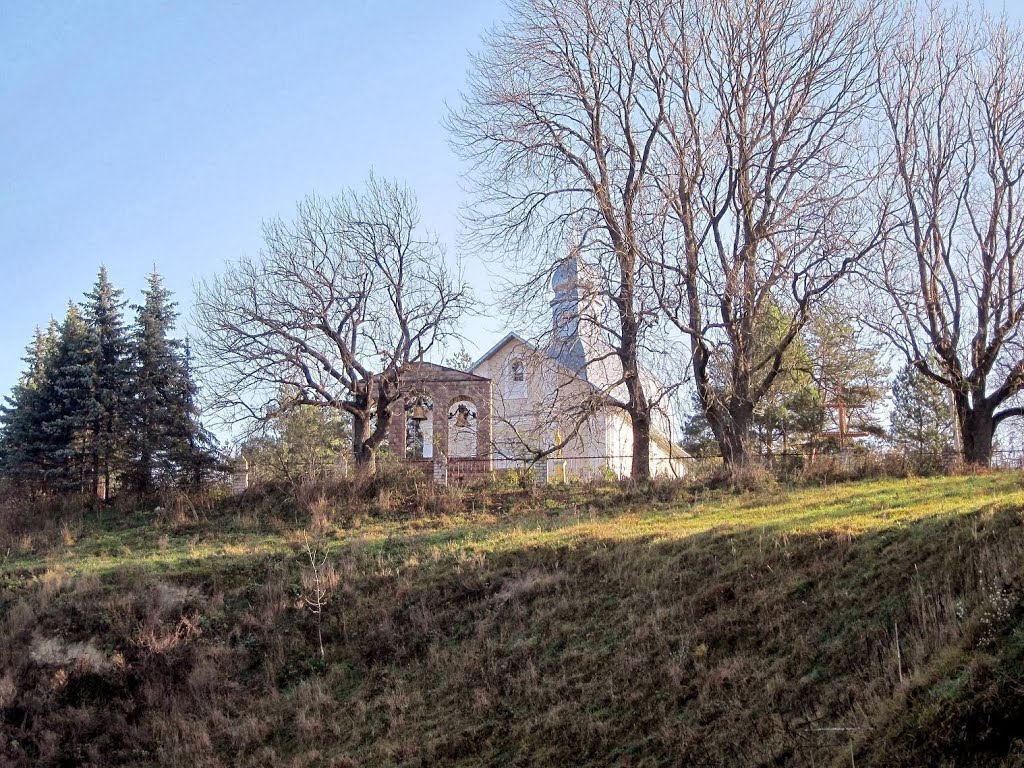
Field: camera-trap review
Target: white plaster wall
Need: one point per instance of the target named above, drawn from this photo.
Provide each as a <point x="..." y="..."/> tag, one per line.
<point x="606" y="440"/>
<point x="533" y="421"/>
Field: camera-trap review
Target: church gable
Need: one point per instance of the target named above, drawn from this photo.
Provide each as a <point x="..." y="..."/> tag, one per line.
<point x="534" y="400"/>
<point x="545" y="396"/>
<point x="507" y="365"/>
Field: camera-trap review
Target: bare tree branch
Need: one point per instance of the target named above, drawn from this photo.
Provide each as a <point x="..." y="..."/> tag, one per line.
<point x="948" y="290"/>
<point x="339" y="300"/>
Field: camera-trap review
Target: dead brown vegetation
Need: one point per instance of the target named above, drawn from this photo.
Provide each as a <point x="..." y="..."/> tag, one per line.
<point x="746" y="646"/>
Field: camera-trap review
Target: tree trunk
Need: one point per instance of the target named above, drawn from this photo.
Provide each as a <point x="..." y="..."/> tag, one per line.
<point x="94" y="451"/>
<point x="366" y="460"/>
<point x="639" y="406"/>
<point x="735" y="447"/>
<point x="145" y="478"/>
<point x="640" y="469"/>
<point x="732" y="429"/>
<point x="365" y="457"/>
<point x="108" y="457"/>
<point x="977" y="431"/>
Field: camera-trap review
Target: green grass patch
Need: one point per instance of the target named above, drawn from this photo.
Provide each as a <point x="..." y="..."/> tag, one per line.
<point x="567" y="627"/>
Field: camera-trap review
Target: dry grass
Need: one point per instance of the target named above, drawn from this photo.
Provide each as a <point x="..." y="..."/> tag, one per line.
<point x="576" y="626"/>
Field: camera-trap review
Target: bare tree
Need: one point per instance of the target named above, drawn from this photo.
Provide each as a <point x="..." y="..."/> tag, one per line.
<point x="560" y="130"/>
<point x="952" y="298"/>
<point x="764" y="175"/>
<point x="339" y="300"/>
<point x="318" y="582"/>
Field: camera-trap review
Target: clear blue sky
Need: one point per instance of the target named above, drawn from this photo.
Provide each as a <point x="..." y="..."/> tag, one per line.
<point x="141" y="133"/>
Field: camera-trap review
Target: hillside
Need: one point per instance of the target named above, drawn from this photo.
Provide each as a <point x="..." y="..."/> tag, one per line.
<point x="878" y="623"/>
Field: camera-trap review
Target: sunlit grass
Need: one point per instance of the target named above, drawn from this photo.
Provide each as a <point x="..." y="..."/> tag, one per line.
<point x="853" y="508"/>
<point x="564" y="626"/>
<point x="850" y="508"/>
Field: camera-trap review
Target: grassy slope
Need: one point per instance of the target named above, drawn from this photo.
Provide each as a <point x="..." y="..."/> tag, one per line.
<point x="582" y="628"/>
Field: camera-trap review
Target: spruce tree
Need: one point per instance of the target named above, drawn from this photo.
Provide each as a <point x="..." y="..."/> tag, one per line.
<point x="921" y="423"/>
<point x="69" y="405"/>
<point x="22" y="447"/>
<point x="168" y="444"/>
<point x="157" y="360"/>
<point x="195" y="448"/>
<point x="103" y="312"/>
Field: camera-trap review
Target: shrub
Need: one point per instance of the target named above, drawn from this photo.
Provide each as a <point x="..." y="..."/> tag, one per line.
<point x="854" y="465"/>
<point x="42" y="521"/>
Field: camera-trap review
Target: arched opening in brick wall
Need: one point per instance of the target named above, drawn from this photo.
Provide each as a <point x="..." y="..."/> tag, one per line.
<point x="463" y="426"/>
<point x="445" y="429"/>
<point x="419" y="427"/>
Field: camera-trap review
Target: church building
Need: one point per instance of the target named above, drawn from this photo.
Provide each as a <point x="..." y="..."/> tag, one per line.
<point x="558" y="393"/>
<point x="521" y="400"/>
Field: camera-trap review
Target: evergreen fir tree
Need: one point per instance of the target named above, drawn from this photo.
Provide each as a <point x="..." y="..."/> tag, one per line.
<point x="97" y="405"/>
<point x="158" y="360"/>
<point x="103" y="311"/>
<point x="22" y="447"/>
<point x="69" y="405"/>
<point x="168" y="444"/>
<point x="195" y="448"/>
<point x="921" y="423"/>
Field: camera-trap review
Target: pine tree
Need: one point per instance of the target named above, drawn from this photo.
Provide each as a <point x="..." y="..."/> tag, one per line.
<point x="921" y="423"/>
<point x="848" y="370"/>
<point x="69" y="405"/>
<point x="168" y="443"/>
<point x="788" y="415"/>
<point x="195" y="449"/>
<point x="103" y="311"/>
<point x="22" y="448"/>
<point x="697" y="437"/>
<point x="790" y="412"/>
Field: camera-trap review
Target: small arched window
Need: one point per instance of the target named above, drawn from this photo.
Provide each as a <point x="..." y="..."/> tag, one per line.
<point x="515" y="380"/>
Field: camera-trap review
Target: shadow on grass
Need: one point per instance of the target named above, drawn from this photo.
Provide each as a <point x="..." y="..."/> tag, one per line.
<point x="681" y="636"/>
<point x="718" y="648"/>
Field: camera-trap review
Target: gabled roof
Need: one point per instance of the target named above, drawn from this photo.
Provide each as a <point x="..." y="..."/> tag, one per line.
<point x="546" y="353"/>
<point x="591" y="360"/>
<point x="602" y="370"/>
<point x="491" y="352"/>
<point x="417" y="370"/>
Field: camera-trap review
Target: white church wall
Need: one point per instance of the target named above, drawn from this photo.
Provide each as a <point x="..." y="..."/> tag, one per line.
<point x="526" y="424"/>
<point x="620" y="443"/>
<point x="663" y="463"/>
<point x="530" y="414"/>
<point x="535" y="392"/>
